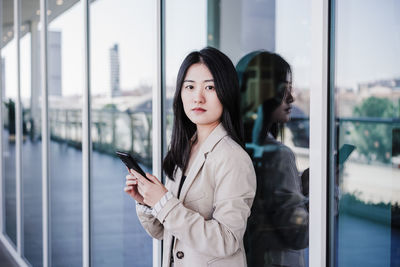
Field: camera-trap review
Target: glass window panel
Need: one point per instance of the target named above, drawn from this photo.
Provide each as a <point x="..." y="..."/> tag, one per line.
<point x="178" y="45"/>
<point x="366" y="126"/>
<point x="65" y="85"/>
<point x="238" y="28"/>
<point x="9" y="60"/>
<point x="123" y="58"/>
<point x="32" y="144"/>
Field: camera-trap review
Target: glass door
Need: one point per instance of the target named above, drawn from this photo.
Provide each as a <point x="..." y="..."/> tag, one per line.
<point x="365" y="127"/>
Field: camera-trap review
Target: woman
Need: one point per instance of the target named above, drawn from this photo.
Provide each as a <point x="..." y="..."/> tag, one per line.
<point x="277" y="229"/>
<point x="202" y="211"/>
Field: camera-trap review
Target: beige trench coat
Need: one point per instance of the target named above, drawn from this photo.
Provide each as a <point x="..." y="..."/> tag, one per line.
<point x="209" y="218"/>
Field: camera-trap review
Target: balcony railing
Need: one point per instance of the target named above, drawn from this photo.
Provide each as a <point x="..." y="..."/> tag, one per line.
<point x="111" y="130"/>
<point x="131" y="130"/>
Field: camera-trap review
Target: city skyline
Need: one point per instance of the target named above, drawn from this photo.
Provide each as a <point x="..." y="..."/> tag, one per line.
<point x="352" y="67"/>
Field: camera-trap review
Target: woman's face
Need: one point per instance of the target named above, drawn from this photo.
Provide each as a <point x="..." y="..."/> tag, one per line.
<point x="282" y="113"/>
<point x="199" y="97"/>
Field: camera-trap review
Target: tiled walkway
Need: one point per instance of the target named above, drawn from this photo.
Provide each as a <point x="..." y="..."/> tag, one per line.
<point x="117" y="236"/>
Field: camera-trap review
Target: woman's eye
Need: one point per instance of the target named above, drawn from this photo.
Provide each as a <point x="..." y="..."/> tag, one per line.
<point x="189" y="87"/>
<point x="210" y="87"/>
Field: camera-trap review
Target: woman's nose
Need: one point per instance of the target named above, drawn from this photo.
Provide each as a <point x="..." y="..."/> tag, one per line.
<point x="198" y="96"/>
<point x="289" y="98"/>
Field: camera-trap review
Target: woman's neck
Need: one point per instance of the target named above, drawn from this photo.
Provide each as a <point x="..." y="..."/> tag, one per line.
<point x="203" y="131"/>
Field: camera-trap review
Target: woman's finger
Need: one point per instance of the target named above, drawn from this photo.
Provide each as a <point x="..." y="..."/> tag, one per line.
<point x="141" y="177"/>
<point x="142" y="180"/>
<point x="140" y="190"/>
<point x="135" y="173"/>
<point x="131" y="182"/>
<point x="130" y="177"/>
<point x="128" y="189"/>
<point x="152" y="178"/>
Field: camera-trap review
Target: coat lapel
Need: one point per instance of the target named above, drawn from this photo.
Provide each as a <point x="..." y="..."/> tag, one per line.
<point x="215" y="136"/>
<point x="194" y="170"/>
<point x="174" y="187"/>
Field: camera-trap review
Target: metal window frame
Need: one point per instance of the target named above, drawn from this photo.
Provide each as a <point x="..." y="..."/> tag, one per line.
<point x="16" y="252"/>
<point x="157" y="110"/>
<point x="18" y="132"/>
<point x="319" y="133"/>
<point x="330" y="239"/>
<point x="46" y="225"/>
<point x="86" y="144"/>
<point x="318" y="137"/>
<point x="5" y="241"/>
<point x="2" y="192"/>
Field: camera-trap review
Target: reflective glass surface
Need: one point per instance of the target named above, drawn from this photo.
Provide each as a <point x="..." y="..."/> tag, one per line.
<point x="32" y="145"/>
<point x="241" y="30"/>
<point x="123" y="58"/>
<point x="9" y="66"/>
<point x="65" y="85"/>
<point x="366" y="171"/>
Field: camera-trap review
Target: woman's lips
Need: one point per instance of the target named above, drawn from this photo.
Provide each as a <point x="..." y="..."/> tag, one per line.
<point x="198" y="110"/>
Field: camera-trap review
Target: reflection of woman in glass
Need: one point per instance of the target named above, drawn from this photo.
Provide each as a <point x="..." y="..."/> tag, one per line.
<point x="202" y="211"/>
<point x="278" y="226"/>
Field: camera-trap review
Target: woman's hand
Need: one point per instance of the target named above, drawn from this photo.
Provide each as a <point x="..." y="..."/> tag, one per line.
<point x="152" y="191"/>
<point x="132" y="188"/>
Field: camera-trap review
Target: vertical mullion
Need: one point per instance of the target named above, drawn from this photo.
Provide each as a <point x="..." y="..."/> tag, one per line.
<point x="45" y="138"/>
<point x="157" y="119"/>
<point x="2" y="192"/>
<point x="86" y="143"/>
<point x="18" y="128"/>
<point x="318" y="133"/>
<point x="163" y="79"/>
<point x="332" y="223"/>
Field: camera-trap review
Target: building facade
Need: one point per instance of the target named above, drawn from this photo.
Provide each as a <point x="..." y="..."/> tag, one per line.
<point x="114" y="70"/>
<point x="62" y="201"/>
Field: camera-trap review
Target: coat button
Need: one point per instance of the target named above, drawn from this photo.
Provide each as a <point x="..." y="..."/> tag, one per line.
<point x="180" y="255"/>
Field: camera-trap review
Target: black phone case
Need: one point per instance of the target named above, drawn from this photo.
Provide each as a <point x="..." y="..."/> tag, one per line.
<point x="130" y="162"/>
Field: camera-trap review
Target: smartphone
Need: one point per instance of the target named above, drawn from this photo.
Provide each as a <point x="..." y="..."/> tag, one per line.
<point x="130" y="162"/>
<point x="344" y="153"/>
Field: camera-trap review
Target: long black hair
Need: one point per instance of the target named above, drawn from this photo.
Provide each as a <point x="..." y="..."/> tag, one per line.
<point x="227" y="89"/>
<point x="281" y="69"/>
<point x="272" y="79"/>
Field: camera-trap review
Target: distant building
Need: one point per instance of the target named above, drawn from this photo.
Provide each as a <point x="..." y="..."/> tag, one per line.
<point x="114" y="70"/>
<point x="54" y="67"/>
<point x="388" y="83"/>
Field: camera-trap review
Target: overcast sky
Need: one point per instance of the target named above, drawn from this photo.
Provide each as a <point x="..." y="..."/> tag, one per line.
<point x="367" y="42"/>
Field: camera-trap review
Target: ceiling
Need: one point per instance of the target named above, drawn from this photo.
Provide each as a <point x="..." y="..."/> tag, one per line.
<point x="29" y="13"/>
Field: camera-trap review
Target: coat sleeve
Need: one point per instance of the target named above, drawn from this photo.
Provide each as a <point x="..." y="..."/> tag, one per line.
<point x="220" y="236"/>
<point x="152" y="226"/>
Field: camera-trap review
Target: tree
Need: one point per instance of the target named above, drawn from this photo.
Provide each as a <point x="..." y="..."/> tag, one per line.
<point x="374" y="140"/>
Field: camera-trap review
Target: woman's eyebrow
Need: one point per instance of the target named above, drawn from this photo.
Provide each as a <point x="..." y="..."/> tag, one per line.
<point x="191" y="81"/>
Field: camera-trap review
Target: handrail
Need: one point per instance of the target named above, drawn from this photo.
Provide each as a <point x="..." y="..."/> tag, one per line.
<point x="354" y="119"/>
<point x="108" y="135"/>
